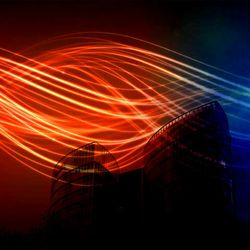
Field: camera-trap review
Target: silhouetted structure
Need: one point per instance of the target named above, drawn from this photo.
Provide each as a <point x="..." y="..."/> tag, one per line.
<point x="184" y="184"/>
<point x="83" y="197"/>
<point x="187" y="175"/>
<point x="130" y="216"/>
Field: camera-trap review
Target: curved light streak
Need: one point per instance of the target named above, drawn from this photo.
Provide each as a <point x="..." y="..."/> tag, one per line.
<point x="109" y="88"/>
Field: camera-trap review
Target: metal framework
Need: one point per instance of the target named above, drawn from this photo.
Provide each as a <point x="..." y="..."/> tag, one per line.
<point x="187" y="115"/>
<point x="78" y="174"/>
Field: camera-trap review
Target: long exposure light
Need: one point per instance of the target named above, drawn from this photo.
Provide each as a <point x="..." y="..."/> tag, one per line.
<point x="93" y="87"/>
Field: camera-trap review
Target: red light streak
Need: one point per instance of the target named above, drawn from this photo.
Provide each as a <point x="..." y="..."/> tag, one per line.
<point x="89" y="88"/>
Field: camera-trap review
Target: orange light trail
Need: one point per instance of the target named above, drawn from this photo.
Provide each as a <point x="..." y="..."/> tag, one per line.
<point x="93" y="87"/>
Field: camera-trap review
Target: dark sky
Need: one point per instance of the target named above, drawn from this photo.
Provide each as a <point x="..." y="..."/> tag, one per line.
<point x="215" y="32"/>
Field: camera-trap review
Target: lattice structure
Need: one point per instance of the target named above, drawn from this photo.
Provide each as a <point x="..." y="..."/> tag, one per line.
<point x="81" y="190"/>
<point x="187" y="164"/>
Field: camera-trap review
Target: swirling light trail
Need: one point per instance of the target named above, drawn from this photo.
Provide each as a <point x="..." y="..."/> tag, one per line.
<point x="92" y="87"/>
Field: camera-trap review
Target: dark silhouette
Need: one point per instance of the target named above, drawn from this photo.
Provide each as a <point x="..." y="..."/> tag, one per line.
<point x="183" y="192"/>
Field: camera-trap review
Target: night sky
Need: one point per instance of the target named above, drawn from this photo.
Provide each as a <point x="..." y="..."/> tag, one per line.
<point x="214" y="32"/>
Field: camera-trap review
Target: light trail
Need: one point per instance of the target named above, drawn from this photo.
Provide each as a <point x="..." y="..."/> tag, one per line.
<point x="109" y="88"/>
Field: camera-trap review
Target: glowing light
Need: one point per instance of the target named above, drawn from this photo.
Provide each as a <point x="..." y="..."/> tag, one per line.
<point x="93" y="87"/>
